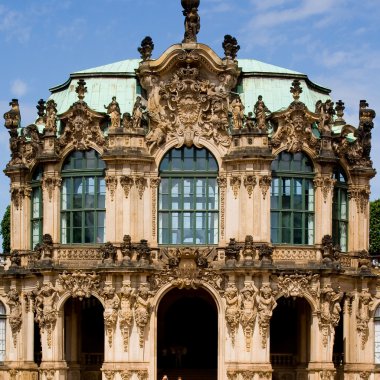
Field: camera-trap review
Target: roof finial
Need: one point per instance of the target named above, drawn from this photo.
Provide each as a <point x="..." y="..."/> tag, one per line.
<point x="146" y="48"/>
<point x="296" y="89"/>
<point x="192" y="20"/>
<point x="81" y="89"/>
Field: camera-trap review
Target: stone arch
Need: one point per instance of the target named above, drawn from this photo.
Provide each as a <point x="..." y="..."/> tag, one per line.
<point x="305" y="150"/>
<point x="65" y="296"/>
<point x="307" y="296"/>
<point x="70" y="149"/>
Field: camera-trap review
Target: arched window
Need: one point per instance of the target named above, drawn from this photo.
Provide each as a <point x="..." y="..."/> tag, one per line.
<point x="36" y="207"/>
<point x="292" y="199"/>
<point x="188" y="198"/>
<point x="376" y="321"/>
<point x="2" y="332"/>
<point x="83" y="199"/>
<point x="340" y="210"/>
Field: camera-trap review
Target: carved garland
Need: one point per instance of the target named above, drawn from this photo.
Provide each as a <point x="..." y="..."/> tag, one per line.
<point x="141" y="184"/>
<point x="265" y="183"/>
<point x="18" y="194"/>
<point x="49" y="184"/>
<point x="15" y="316"/>
<point x="79" y="284"/>
<point x="326" y="184"/>
<point x="154" y="183"/>
<point x="111" y="183"/>
<point x="235" y="183"/>
<point x="361" y="196"/>
<point x="249" y="183"/>
<point x="126" y="183"/>
<point x="222" y="183"/>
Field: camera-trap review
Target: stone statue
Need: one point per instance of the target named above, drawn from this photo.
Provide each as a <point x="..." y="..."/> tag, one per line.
<point x="146" y="48"/>
<point x="248" y="312"/>
<point x="249" y="122"/>
<point x="142" y="310"/>
<point x="51" y="117"/>
<point x="111" y="306"/>
<point x="126" y="249"/>
<point x="192" y="25"/>
<point x="265" y="303"/>
<point x="127" y="296"/>
<point x="127" y="121"/>
<point x="15" y="315"/>
<point x="261" y="111"/>
<point x="113" y="111"/>
<point x="237" y="110"/>
<point x="326" y="115"/>
<point x="137" y="113"/>
<point x="232" y="309"/>
<point x="230" y="47"/>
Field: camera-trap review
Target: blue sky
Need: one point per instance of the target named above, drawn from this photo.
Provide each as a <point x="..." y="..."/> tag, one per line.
<point x="335" y="42"/>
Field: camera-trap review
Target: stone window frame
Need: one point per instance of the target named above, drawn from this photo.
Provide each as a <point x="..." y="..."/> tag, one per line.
<point x="339" y="222"/>
<point x="77" y="170"/>
<point x="3" y="320"/>
<point x="376" y="339"/>
<point x="36" y="215"/>
<point x="169" y="171"/>
<point x="298" y="172"/>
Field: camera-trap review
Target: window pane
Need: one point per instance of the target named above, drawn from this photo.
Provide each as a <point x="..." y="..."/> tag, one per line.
<point x="78" y="190"/>
<point x="286" y="193"/>
<point x="188" y="194"/>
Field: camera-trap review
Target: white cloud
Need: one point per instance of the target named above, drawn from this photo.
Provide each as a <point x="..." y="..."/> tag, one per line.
<point x="19" y="88"/>
<point x="13" y="25"/>
<point x="75" y="30"/>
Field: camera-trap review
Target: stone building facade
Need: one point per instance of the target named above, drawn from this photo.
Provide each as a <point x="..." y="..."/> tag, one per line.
<point x="190" y="215"/>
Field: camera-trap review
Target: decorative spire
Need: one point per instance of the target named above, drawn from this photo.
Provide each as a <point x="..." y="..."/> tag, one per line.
<point x="41" y="108"/>
<point x="13" y="117"/>
<point x="296" y="89"/>
<point x="339" y="110"/>
<point x="230" y="47"/>
<point x="146" y="48"/>
<point x="81" y="89"/>
<point x="192" y="20"/>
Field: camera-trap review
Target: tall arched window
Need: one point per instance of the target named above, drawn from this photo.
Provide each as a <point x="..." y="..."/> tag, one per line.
<point x="83" y="198"/>
<point x="2" y="332"/>
<point x="292" y="199"/>
<point x="340" y="210"/>
<point x="188" y="198"/>
<point x="376" y="321"/>
<point x="36" y="207"/>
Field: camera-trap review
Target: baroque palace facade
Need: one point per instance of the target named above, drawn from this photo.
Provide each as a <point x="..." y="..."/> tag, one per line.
<point x="210" y="222"/>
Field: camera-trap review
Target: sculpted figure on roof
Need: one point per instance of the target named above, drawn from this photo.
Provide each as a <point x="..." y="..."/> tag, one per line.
<point x="237" y="110"/>
<point x="113" y="111"/>
<point x="192" y="25"/>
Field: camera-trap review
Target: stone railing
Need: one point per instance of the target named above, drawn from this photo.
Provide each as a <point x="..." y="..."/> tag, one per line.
<point x="296" y="254"/>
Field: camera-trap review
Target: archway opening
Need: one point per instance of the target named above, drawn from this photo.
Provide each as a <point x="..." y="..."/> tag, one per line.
<point x="290" y="338"/>
<point x="84" y="338"/>
<point x="187" y="335"/>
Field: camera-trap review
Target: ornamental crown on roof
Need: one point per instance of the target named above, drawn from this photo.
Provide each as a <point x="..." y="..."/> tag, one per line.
<point x="191" y="97"/>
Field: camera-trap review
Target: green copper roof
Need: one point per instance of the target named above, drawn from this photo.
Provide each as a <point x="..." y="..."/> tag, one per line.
<point x="119" y="79"/>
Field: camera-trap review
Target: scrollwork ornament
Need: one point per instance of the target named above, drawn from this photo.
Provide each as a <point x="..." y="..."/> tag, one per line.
<point x="265" y="183"/>
<point x="222" y="183"/>
<point x="365" y="302"/>
<point x="79" y="284"/>
<point x="126" y="183"/>
<point x="127" y="297"/>
<point x="361" y="196"/>
<point x="126" y="375"/>
<point x="327" y="374"/>
<point x="297" y="285"/>
<point x="18" y="193"/>
<point x="326" y="184"/>
<point x="232" y="299"/>
<point x="142" y="310"/>
<point x="111" y="183"/>
<point x="248" y="312"/>
<point x="49" y="183"/>
<point x="111" y="306"/>
<point x="109" y="374"/>
<point x="141" y="184"/>
<point x="235" y="183"/>
<point x="249" y="183"/>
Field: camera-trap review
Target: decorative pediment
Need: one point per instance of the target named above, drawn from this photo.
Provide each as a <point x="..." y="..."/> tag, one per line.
<point x="81" y="124"/>
<point x="188" y="96"/>
<point x="294" y="126"/>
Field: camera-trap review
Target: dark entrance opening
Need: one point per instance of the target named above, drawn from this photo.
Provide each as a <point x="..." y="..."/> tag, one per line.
<point x="187" y="335"/>
<point x="290" y="338"/>
<point x="84" y="338"/>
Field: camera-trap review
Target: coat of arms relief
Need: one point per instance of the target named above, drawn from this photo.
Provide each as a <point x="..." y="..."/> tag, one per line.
<point x="187" y="102"/>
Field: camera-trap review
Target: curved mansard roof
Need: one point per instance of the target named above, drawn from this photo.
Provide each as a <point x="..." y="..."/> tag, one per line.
<point x="119" y="79"/>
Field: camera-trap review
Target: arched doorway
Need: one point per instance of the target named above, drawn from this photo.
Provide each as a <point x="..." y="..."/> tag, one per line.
<point x="84" y="338"/>
<point x="187" y="335"/>
<point x="290" y="339"/>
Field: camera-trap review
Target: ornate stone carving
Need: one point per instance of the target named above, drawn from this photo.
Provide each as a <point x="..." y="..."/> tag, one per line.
<point x="364" y="375"/>
<point x="127" y="297"/>
<point x="232" y="252"/>
<point x="76" y="254"/>
<point x="186" y="108"/>
<point x="154" y="183"/>
<point x="50" y="117"/>
<point x="248" y="312"/>
<point x="81" y="127"/>
<point x="265" y="182"/>
<point x="109" y="253"/>
<point x="326" y="184"/>
<point x="329" y="311"/>
<point x="109" y="374"/>
<point x="232" y="299"/>
<point x="265" y="305"/>
<point x="230" y="47"/>
<point x="127" y="121"/>
<point x="249" y="250"/>
<point x="138" y="113"/>
<point x="111" y="183"/>
<point x="235" y="183"/>
<point x="12" y="118"/>
<point x="237" y="112"/>
<point x="266" y="253"/>
<point x="81" y="89"/>
<point x="126" y="183"/>
<point x="141" y="183"/>
<point x="247" y="374"/>
<point x="142" y="374"/>
<point x="146" y="48"/>
<point x="126" y="249"/>
<point x="143" y="252"/>
<point x="48" y="374"/>
<point x="298" y="285"/>
<point x="111" y="306"/>
<point x="126" y="375"/>
<point x="78" y="283"/>
<point x="45" y="307"/>
<point x="365" y="303"/>
<point x="295" y="125"/>
<point x="18" y="193"/>
<point x="49" y="183"/>
<point x="249" y="183"/>
<point x="330" y="253"/>
<point x="142" y="308"/>
<point x="361" y="196"/>
<point x="192" y="21"/>
<point x="232" y="374"/>
<point x="113" y="110"/>
<point x="327" y="374"/>
<point x="222" y="183"/>
<point x="15" y="315"/>
<point x="261" y="114"/>
<point x="45" y="248"/>
<point x="326" y="114"/>
<point x="13" y="373"/>
<point x="364" y="261"/>
<point x="15" y="258"/>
